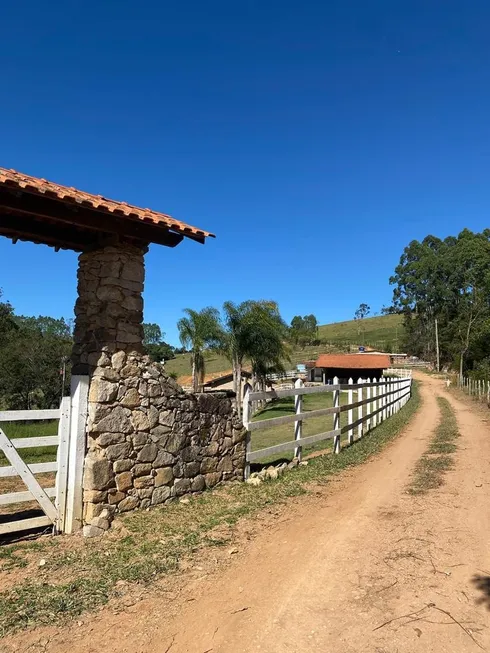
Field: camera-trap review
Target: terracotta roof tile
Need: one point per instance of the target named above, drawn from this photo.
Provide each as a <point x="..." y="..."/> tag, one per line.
<point x="12" y="179"/>
<point x="353" y="361"/>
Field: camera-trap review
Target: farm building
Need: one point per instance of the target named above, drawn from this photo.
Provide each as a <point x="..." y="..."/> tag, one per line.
<point x="349" y="366"/>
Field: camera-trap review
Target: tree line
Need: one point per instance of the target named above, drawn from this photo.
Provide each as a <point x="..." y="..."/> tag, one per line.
<point x="442" y="287"/>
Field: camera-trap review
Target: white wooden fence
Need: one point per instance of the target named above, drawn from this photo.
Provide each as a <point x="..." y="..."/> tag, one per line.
<point x="65" y="513"/>
<point x="477" y="388"/>
<point x="382" y="399"/>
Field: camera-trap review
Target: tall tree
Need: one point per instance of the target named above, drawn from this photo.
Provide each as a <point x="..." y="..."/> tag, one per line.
<point x="199" y="330"/>
<point x="447" y="280"/>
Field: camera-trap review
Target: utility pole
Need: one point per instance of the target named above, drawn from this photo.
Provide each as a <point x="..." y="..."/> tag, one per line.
<point x="437" y="346"/>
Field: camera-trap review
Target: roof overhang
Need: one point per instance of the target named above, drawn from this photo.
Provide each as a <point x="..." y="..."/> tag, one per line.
<point x="43" y="212"/>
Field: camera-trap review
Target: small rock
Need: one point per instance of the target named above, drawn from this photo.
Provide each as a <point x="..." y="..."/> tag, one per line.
<point x="92" y="531"/>
<point x="256" y="481"/>
<point x="42" y="562"/>
<point x="272" y="473"/>
<point x="185" y="500"/>
<point x="304" y="463"/>
<point x="233" y="551"/>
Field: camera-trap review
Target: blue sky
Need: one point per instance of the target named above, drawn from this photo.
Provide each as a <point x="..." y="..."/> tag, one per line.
<point x="316" y="139"/>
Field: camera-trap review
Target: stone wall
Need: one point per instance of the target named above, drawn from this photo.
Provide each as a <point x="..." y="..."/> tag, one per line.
<point x="149" y="441"/>
<point x="109" y="308"/>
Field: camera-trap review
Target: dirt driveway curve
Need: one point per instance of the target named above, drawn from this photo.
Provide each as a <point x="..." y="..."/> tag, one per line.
<point x="334" y="570"/>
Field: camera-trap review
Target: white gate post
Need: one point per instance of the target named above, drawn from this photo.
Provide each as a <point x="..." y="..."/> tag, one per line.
<point x="76" y="453"/>
<point x="350" y="413"/>
<point x="298" y="425"/>
<point x="62" y="459"/>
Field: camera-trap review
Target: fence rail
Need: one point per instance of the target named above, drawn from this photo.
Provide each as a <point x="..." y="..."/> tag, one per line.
<point x="383" y="398"/>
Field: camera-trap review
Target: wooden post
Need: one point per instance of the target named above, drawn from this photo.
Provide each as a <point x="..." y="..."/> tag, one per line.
<point x="246" y="419"/>
<point x="76" y="452"/>
<point x="298" y="425"/>
<point x="350" y="414"/>
<point x="62" y="461"/>
<point x="336" y="416"/>
<point x="437" y="347"/>
<point x="369" y="406"/>
<point x="374" y="404"/>
<point x="384" y="390"/>
<point x="359" y="412"/>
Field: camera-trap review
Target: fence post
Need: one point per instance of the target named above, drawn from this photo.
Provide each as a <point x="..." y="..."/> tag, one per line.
<point x="336" y="416"/>
<point x="369" y="406"/>
<point x="298" y="425"/>
<point x="359" y="411"/>
<point x="248" y="443"/>
<point x="76" y="453"/>
<point x="62" y="460"/>
<point x="384" y="390"/>
<point x="374" y="404"/>
<point x="350" y="413"/>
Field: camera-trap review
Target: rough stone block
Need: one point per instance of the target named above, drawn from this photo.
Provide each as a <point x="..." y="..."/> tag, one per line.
<point x="143" y="481"/>
<point x="212" y="479"/>
<point x="98" y="474"/>
<point x="198" y="484"/>
<point x="164" y="476"/>
<point x="148" y="453"/>
<point x="139" y="439"/>
<point x="142" y="469"/>
<point x="181" y="486"/>
<point x="115" y="497"/>
<point x="145" y="493"/>
<point x="163" y="459"/>
<point x="129" y="503"/>
<point x="100" y="522"/>
<point x="123" y="465"/>
<point x="209" y="465"/>
<point x="102" y="391"/>
<point x="140" y="421"/>
<point x="160" y="494"/>
<point x="106" y="439"/>
<point x="118" y="360"/>
<point x="124" y="481"/>
<point x="118" y="451"/>
<point x="94" y="496"/>
<point x="131" y="399"/>
<point x="117" y="421"/>
<point x="192" y="469"/>
<point x="92" y="531"/>
<point x="225" y="464"/>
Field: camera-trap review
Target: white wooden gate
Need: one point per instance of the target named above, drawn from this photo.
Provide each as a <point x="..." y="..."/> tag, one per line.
<point x="64" y="514"/>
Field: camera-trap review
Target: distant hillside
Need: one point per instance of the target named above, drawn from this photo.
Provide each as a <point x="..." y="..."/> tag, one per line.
<point x="382" y="333"/>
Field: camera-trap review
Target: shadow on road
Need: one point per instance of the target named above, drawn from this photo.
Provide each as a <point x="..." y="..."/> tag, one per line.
<point x="482" y="583"/>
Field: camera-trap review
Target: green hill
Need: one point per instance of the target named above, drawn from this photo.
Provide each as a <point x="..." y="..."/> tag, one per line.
<point x="383" y="333"/>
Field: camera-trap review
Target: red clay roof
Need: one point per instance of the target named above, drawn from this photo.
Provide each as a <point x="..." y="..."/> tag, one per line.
<point x="28" y="184"/>
<point x="353" y="361"/>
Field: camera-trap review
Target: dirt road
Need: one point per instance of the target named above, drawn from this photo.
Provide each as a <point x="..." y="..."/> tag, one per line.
<point x="339" y="570"/>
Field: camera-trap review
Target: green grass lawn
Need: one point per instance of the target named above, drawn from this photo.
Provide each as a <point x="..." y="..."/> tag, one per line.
<point x="31" y="430"/>
<point x="378" y="332"/>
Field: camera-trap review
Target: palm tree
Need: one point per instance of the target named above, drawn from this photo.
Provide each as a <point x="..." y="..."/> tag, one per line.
<point x="254" y="330"/>
<point x="199" y="331"/>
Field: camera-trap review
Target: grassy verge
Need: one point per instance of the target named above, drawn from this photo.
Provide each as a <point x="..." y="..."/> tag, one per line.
<point x="79" y="578"/>
<point x="31" y="430"/>
<point x="429" y="471"/>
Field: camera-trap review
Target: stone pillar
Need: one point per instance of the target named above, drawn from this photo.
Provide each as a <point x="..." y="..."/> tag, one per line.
<point x="109" y="308"/>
